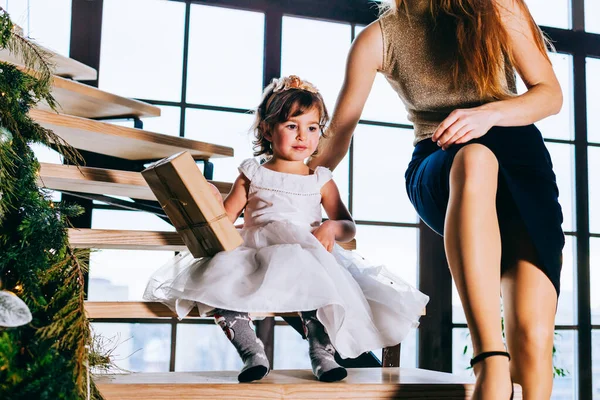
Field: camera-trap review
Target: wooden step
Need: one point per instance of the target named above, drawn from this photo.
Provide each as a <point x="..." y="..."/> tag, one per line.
<point x="361" y="383"/>
<point x="123" y="142"/>
<point x="137" y="240"/>
<point x="101" y="181"/>
<point x="65" y="66"/>
<point x="86" y="101"/>
<point x="99" y="310"/>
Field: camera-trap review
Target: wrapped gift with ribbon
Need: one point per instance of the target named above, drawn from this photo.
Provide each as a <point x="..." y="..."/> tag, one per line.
<point x="187" y="199"/>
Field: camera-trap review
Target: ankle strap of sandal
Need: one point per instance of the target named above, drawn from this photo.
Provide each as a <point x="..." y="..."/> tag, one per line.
<point x="484" y="355"/>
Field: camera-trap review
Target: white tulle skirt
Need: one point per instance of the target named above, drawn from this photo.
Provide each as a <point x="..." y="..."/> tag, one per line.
<point x="282" y="267"/>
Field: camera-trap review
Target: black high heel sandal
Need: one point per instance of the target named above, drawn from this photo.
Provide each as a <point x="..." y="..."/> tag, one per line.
<point x="486" y="354"/>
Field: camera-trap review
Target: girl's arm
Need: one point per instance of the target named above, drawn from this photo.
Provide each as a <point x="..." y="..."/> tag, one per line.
<point x="364" y="60"/>
<point x="542" y="99"/>
<point x="237" y="198"/>
<point x="340" y="226"/>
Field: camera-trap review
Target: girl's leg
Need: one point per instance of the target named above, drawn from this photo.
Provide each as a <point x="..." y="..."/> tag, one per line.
<point x="529" y="308"/>
<point x="321" y="351"/>
<point x="473" y="249"/>
<point x="238" y="328"/>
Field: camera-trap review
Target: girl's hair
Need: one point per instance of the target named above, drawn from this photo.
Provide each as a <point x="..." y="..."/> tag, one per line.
<point x="482" y="45"/>
<point x="283" y="99"/>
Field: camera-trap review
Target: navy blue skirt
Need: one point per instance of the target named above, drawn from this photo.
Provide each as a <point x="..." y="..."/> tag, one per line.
<point x="526" y="188"/>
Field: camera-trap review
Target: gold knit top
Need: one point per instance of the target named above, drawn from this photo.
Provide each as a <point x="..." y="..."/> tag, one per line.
<point x="417" y="64"/>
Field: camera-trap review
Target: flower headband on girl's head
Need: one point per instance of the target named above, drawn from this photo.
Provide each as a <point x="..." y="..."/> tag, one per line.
<point x="293" y="82"/>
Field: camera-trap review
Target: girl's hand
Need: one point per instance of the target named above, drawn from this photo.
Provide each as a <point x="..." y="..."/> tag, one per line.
<point x="463" y="125"/>
<point x="215" y="192"/>
<point x="326" y="234"/>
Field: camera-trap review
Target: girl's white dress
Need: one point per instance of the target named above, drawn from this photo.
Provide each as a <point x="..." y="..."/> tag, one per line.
<point x="282" y="267"/>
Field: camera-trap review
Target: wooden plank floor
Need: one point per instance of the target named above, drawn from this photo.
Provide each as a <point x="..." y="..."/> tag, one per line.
<point x="138" y="240"/>
<point x="102" y="181"/>
<point x="361" y="383"/>
<point x="87" y="101"/>
<point x="66" y="67"/>
<point x="123" y="142"/>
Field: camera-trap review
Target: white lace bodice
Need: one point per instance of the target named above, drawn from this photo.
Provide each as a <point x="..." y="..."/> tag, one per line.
<point x="279" y="196"/>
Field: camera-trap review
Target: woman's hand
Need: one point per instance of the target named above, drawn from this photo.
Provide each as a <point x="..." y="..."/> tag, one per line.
<point x="326" y="234"/>
<point x="463" y="125"/>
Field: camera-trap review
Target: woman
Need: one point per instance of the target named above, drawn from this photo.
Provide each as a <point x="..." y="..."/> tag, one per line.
<point x="480" y="173"/>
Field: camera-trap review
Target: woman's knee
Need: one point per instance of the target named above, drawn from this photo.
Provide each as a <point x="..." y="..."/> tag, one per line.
<point x="475" y="166"/>
<point x="532" y="339"/>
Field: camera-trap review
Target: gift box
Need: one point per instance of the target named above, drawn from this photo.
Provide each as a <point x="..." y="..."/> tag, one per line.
<point x="187" y="199"/>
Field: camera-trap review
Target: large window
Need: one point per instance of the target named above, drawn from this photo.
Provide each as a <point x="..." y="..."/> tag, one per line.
<point x="206" y="72"/>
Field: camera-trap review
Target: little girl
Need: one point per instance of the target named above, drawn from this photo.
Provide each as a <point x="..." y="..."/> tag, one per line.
<point x="289" y="261"/>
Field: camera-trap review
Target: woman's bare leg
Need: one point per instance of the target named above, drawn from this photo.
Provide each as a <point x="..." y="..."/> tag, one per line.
<point x="473" y="249"/>
<point x="529" y="309"/>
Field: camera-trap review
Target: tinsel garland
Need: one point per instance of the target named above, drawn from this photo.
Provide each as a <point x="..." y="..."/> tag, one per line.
<point x="47" y="358"/>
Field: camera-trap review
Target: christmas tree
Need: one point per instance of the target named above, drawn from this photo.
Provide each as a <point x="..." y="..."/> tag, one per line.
<point x="46" y="358"/>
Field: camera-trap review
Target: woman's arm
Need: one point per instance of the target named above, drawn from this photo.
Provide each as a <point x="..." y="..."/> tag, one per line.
<point x="544" y="95"/>
<point x="542" y="99"/>
<point x="364" y="59"/>
<point x="340" y="225"/>
<point x="237" y="198"/>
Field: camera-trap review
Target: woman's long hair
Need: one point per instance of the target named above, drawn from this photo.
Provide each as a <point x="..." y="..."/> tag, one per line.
<point x="482" y="45"/>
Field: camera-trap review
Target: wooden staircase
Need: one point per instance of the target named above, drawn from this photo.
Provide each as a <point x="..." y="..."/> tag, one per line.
<point x="78" y="124"/>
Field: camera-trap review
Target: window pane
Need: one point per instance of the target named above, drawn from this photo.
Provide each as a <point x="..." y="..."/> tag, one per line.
<point x="138" y="58"/>
<point x="27" y="13"/>
<point x="555" y="13"/>
<point x="565" y="315"/>
<point x="594" y="186"/>
<point x="136" y="347"/>
<point x="564" y="358"/>
<point x="595" y="281"/>
<point x="408" y="350"/>
<point x="123" y="274"/>
<point x="596" y="363"/>
<point x="563" y="156"/>
<point x="381" y="156"/>
<point x="290" y="350"/>
<point x="168" y="122"/>
<point x="396" y="248"/>
<point x="225" y="129"/>
<point x="342" y="180"/>
<point x="45" y="154"/>
<point x="47" y="22"/>
<point x="458" y="313"/>
<point x="592" y="9"/>
<point x="203" y="347"/>
<point x="316" y="51"/>
<point x="592" y="78"/>
<point x="215" y="75"/>
<point x="561" y="125"/>
<point x="462" y="352"/>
